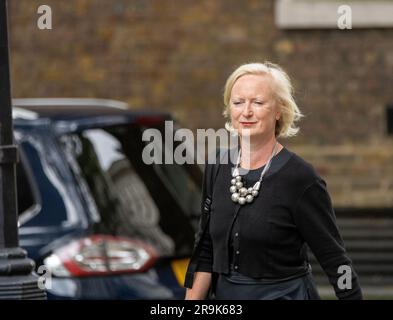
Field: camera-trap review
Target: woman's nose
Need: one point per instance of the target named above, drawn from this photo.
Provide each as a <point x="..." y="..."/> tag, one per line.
<point x="247" y="110"/>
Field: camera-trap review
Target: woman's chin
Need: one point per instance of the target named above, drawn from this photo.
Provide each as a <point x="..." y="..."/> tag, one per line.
<point x="247" y="132"/>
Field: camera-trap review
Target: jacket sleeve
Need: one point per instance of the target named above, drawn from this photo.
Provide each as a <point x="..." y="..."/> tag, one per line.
<point x="205" y="257"/>
<point x="316" y="222"/>
<point x="202" y="256"/>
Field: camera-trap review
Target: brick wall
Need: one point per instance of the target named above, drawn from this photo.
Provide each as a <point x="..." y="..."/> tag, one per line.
<point x="175" y="55"/>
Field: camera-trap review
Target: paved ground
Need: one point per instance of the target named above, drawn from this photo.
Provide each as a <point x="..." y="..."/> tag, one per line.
<point x="369" y="293"/>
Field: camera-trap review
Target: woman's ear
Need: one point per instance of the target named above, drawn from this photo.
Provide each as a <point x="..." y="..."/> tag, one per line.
<point x="278" y="110"/>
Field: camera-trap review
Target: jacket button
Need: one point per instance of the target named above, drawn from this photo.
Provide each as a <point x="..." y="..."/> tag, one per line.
<point x="237" y="252"/>
<point x="236" y="267"/>
<point x="236" y="234"/>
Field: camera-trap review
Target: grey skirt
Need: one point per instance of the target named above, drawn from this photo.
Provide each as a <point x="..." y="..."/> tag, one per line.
<point x="236" y="287"/>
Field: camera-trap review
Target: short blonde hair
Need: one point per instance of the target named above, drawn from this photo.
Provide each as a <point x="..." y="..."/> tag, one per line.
<point x="283" y="95"/>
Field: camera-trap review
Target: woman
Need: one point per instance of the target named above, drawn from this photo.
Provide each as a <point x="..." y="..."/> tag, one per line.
<point x="261" y="213"/>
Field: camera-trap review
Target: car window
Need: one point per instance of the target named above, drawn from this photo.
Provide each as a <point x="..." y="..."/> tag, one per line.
<point x="156" y="203"/>
<point x="27" y="197"/>
<point x="24" y="188"/>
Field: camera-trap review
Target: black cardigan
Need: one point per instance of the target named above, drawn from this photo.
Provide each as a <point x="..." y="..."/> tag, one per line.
<point x="292" y="210"/>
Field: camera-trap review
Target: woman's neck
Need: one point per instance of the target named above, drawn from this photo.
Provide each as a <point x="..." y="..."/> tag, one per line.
<point x="256" y="152"/>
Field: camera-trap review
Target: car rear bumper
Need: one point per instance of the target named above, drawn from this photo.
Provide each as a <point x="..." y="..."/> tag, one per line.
<point x="153" y="284"/>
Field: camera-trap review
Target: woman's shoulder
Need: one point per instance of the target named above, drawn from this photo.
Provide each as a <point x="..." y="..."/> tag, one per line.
<point x="301" y="170"/>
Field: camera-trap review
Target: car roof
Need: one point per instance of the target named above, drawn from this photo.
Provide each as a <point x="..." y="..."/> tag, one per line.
<point x="63" y="109"/>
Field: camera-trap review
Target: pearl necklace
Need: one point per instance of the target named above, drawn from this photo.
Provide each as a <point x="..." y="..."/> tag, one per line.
<point x="240" y="194"/>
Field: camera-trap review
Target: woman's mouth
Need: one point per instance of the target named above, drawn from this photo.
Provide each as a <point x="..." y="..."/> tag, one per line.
<point x="247" y="123"/>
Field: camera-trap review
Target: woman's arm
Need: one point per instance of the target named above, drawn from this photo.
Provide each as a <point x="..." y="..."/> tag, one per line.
<point x="200" y="282"/>
<point x="198" y="275"/>
<point x="316" y="221"/>
<point x="200" y="288"/>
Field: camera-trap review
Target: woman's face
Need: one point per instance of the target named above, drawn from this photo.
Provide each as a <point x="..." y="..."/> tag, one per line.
<point x="252" y="106"/>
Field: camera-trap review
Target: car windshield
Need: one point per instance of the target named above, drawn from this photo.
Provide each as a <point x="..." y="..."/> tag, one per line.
<point x="157" y="203"/>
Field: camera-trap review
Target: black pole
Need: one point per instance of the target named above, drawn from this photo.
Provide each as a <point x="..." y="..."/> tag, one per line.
<point x="17" y="280"/>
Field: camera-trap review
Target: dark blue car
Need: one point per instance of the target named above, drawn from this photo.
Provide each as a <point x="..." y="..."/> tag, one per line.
<point x="98" y="221"/>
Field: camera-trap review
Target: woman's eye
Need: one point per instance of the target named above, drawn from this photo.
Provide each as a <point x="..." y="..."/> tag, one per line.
<point x="259" y="102"/>
<point x="236" y="103"/>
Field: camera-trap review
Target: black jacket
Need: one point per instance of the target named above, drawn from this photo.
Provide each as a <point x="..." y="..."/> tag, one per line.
<point x="292" y="210"/>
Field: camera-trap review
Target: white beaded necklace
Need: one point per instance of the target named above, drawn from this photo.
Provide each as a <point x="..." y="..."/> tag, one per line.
<point x="240" y="194"/>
